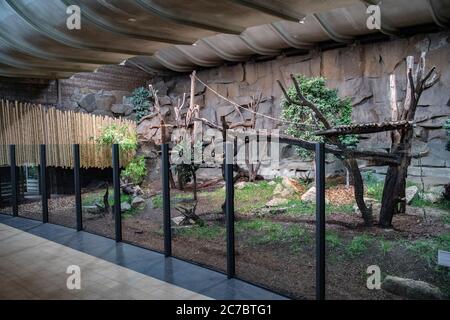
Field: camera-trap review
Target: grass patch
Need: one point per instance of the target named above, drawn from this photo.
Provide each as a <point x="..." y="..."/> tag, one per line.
<point x="385" y="246"/>
<point x="298" y="207"/>
<point x="427" y="249"/>
<point x="332" y="239"/>
<point x="358" y="245"/>
<point x="268" y="232"/>
<point x="443" y="204"/>
<point x="202" y="232"/>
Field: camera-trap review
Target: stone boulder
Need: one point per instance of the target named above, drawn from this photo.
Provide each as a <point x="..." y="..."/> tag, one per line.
<point x="125" y="206"/>
<point x="137" y="202"/>
<point x="119" y="109"/>
<point x="410" y="193"/>
<point x="87" y="102"/>
<point x="411" y="289"/>
<point x="275" y="202"/>
<point x="310" y="195"/>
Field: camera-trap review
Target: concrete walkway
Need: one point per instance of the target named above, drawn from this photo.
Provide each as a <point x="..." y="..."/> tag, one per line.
<point x="34" y="258"/>
<point x="32" y="267"/>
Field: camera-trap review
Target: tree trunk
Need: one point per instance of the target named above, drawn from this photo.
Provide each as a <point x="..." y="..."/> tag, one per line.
<point x="358" y="186"/>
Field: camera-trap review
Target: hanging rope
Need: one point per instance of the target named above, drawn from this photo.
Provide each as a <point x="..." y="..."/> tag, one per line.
<point x="302" y="125"/>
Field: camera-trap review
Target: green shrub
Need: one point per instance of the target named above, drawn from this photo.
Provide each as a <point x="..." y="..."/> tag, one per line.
<point x="141" y="102"/>
<point x="337" y="111"/>
<point x="135" y="171"/>
<point x="118" y="134"/>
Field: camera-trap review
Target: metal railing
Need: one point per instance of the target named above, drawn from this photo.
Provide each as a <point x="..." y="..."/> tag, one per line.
<point x="165" y="168"/>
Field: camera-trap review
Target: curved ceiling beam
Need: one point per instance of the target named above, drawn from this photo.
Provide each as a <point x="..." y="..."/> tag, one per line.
<point x="60" y="36"/>
<point x="169" y="65"/>
<point x="36" y="52"/>
<point x="287" y="37"/>
<point x="154" y="8"/>
<point x="10" y="61"/>
<point x="9" y="72"/>
<point x="106" y="25"/>
<point x="249" y="43"/>
<point x="192" y="58"/>
<point x="222" y="54"/>
<point x="437" y="17"/>
<point x="385" y="28"/>
<point x="272" y="10"/>
<point x="328" y="29"/>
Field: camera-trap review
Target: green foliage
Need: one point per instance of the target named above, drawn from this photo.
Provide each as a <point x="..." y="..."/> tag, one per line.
<point x="359" y="245"/>
<point x="374" y="186"/>
<point x="141" y="100"/>
<point x="385" y="246"/>
<point x="447" y="127"/>
<point x="202" y="232"/>
<point x="157" y="201"/>
<point x="332" y="239"/>
<point x="337" y="111"/>
<point x="427" y="249"/>
<point x="135" y="171"/>
<point x="268" y="232"/>
<point x="118" y="134"/>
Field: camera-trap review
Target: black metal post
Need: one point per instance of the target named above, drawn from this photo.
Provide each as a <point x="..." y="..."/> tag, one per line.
<point x="165" y="167"/>
<point x="14" y="182"/>
<point x="116" y="182"/>
<point x="77" y="186"/>
<point x="229" y="208"/>
<point x="320" y="221"/>
<point x="44" y="195"/>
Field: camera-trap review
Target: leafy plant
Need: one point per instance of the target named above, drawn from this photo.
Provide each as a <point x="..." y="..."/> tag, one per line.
<point x="338" y="112"/>
<point x="118" y="134"/>
<point x="135" y="171"/>
<point x="141" y="100"/>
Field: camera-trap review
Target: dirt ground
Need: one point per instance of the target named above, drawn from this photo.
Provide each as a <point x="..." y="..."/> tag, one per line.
<point x="279" y="252"/>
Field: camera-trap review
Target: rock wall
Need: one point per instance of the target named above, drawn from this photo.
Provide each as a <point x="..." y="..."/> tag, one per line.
<point x="105" y="91"/>
<point x="360" y="71"/>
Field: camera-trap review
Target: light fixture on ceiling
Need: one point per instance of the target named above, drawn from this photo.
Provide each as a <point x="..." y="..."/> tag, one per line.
<point x="132" y="19"/>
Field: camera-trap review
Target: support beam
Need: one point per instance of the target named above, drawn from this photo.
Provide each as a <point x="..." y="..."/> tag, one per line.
<point x="165" y="167"/>
<point x="116" y="182"/>
<point x="320" y="221"/>
<point x="229" y="209"/>
<point x="77" y="186"/>
<point x="14" y="181"/>
<point x="43" y="176"/>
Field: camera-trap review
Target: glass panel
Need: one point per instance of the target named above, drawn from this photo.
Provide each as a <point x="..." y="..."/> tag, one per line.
<point x="275" y="229"/>
<point x="97" y="196"/>
<point x="358" y="255"/>
<point x="29" y="193"/>
<point x="198" y="227"/>
<point x="61" y="202"/>
<point x="142" y="221"/>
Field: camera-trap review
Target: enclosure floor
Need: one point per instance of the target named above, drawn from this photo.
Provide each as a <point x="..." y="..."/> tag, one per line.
<point x="35" y="257"/>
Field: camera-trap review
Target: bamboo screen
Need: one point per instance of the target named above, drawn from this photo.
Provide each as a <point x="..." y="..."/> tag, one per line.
<point x="28" y="125"/>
